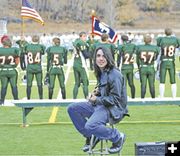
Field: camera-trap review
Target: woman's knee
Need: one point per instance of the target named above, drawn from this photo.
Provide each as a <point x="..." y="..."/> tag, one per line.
<point x="71" y="107"/>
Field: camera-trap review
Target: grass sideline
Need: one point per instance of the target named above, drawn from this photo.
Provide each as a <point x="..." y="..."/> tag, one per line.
<point x="41" y="138"/>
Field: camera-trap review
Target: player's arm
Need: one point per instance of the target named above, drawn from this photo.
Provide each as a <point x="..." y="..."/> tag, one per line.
<point x="46" y="80"/>
<point x="118" y="59"/>
<point x="178" y="46"/>
<point x="137" y="56"/>
<point x="158" y="58"/>
<point x="94" y="46"/>
<point x="158" y="40"/>
<point x="119" y="55"/>
<point x="18" y="42"/>
<point x="76" y="46"/>
<point x="114" y="48"/>
<point x="88" y="45"/>
<point x="65" y="55"/>
<point x="17" y="57"/>
<point x="48" y="59"/>
<point x="178" y="42"/>
<point x="43" y="48"/>
<point x="22" y="58"/>
<point x="75" y="43"/>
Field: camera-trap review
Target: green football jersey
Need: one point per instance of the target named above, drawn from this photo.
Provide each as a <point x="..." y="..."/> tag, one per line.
<point x="34" y="54"/>
<point x="168" y="46"/>
<point x="56" y="56"/>
<point x="22" y="44"/>
<point x="81" y="47"/>
<point x="127" y="52"/>
<point x="8" y="57"/>
<point x="90" y="43"/>
<point x="146" y="54"/>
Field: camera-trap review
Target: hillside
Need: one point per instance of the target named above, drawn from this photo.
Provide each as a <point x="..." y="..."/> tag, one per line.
<point x="75" y="15"/>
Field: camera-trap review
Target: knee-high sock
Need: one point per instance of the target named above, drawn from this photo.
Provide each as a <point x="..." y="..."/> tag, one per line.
<point x="173" y="90"/>
<point x="161" y="89"/>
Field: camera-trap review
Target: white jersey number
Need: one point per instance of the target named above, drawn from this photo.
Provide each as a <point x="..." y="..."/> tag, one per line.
<point x="128" y="59"/>
<point x="147" y="57"/>
<point x="34" y="58"/>
<point x="7" y="60"/>
<point x="169" y="51"/>
<point x="56" y="59"/>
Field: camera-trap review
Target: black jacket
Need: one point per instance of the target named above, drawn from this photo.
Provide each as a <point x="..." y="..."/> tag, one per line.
<point x="113" y="94"/>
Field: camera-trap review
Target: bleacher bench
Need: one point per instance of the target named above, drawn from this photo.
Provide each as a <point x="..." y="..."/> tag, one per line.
<point x="28" y="105"/>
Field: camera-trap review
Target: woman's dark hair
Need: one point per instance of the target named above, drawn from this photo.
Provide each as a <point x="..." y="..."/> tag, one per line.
<point x="109" y="58"/>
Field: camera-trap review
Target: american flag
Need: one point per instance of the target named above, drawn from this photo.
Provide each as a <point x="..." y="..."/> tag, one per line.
<point x="99" y="28"/>
<point x="28" y="12"/>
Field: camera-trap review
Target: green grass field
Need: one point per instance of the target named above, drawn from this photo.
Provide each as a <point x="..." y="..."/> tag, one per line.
<point x="146" y="124"/>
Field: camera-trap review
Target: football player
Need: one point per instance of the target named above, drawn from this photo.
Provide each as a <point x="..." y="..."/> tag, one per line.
<point x="91" y="41"/>
<point x="9" y="59"/>
<point x="34" y="52"/>
<point x="22" y="43"/>
<point x="168" y="45"/>
<point x="126" y="55"/>
<point x="146" y="57"/>
<point x="79" y="65"/>
<point x="56" y="57"/>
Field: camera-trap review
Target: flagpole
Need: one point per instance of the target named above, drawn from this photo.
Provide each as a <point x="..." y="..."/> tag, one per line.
<point x="22" y="28"/>
<point x="22" y="24"/>
<point x="92" y="16"/>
